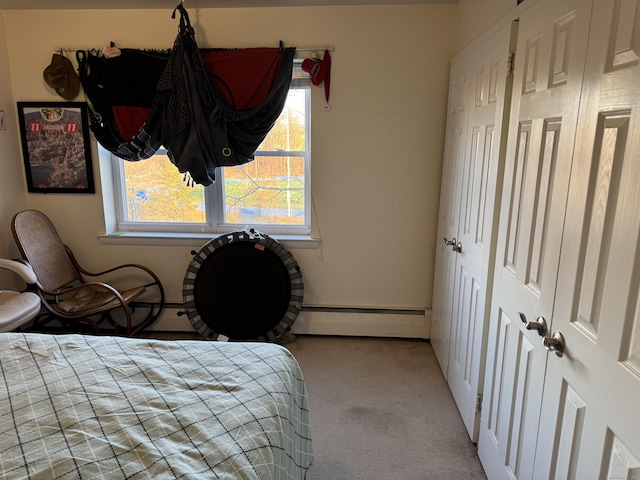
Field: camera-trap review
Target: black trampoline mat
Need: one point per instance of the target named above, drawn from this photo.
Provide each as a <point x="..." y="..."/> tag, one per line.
<point x="242" y="290"/>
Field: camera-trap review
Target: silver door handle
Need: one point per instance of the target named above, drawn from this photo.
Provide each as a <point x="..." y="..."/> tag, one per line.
<point x="540" y="325"/>
<point x="554" y="343"/>
<point x="449" y="242"/>
<point x="455" y="246"/>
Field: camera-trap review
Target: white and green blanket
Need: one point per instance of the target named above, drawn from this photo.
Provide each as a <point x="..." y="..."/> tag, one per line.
<point x="74" y="406"/>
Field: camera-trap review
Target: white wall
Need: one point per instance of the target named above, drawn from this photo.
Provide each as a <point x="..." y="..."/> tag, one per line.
<point x="476" y="17"/>
<point x="12" y="184"/>
<point x="376" y="156"/>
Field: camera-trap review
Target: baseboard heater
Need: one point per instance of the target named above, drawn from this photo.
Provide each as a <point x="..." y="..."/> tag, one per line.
<point x="363" y="321"/>
<point x="388" y="311"/>
<point x="323" y="308"/>
<point x="333" y="320"/>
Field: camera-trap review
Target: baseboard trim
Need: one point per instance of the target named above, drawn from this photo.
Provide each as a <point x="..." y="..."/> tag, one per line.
<point x="340" y="321"/>
<point x="363" y="322"/>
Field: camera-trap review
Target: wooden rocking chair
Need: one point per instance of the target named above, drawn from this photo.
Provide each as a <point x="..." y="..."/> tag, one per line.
<point x="66" y="294"/>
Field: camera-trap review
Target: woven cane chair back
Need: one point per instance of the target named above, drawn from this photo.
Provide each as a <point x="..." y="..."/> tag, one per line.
<point x="42" y="247"/>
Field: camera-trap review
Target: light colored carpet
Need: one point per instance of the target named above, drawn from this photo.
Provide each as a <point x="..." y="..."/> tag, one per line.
<point x="380" y="409"/>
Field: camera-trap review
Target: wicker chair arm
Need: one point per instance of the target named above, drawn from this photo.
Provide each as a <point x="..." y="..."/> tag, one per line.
<point x="109" y="270"/>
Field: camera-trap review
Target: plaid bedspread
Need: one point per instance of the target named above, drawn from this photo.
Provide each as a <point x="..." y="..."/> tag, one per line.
<point x="74" y="406"/>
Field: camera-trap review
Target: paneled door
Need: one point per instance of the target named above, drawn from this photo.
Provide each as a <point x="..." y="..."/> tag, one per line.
<point x="474" y="244"/>
<point x="550" y="56"/>
<point x="590" y="425"/>
<point x="479" y="87"/>
<point x="449" y="212"/>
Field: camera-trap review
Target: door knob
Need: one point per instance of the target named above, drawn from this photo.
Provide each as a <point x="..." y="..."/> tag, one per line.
<point x="540" y="325"/>
<point x="554" y="343"/>
<point x="456" y="247"/>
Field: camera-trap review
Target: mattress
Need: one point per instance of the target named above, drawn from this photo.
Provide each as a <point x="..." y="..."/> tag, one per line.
<point x="74" y="406"/>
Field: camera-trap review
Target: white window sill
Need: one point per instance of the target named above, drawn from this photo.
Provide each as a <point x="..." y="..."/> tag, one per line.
<point x="195" y="239"/>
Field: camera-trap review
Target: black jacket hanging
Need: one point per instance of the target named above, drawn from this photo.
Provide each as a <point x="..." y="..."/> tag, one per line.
<point x="189" y="115"/>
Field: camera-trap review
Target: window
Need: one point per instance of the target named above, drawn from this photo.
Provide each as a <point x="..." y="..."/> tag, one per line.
<point x="270" y="193"/>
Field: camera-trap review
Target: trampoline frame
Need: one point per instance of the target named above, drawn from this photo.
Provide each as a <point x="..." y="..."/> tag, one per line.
<point x="252" y="236"/>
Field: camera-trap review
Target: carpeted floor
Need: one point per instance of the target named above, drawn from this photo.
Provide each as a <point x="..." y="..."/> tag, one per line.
<point x="380" y="409"/>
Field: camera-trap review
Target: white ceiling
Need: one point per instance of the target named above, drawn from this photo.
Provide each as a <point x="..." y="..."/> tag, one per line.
<point x="192" y="4"/>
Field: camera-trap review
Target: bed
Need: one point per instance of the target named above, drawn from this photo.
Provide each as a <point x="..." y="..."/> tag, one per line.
<point x="75" y="406"/>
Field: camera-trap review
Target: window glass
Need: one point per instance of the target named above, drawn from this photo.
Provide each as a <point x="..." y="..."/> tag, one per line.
<point x="156" y="192"/>
<point x="271" y="192"/>
<point x="271" y="189"/>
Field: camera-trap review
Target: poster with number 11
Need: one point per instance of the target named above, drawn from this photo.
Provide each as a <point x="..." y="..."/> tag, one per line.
<point x="56" y="147"/>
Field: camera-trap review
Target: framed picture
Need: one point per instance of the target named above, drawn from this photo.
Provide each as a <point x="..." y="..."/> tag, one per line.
<point x="55" y="147"/>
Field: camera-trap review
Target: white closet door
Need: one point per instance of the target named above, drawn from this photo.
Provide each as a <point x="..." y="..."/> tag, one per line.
<point x="449" y="212"/>
<point x="590" y="426"/>
<point x="472" y="276"/>
<point x="551" y="46"/>
<point x="478" y="89"/>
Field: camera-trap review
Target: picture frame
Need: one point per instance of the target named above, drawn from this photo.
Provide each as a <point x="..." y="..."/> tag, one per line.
<point x="55" y="146"/>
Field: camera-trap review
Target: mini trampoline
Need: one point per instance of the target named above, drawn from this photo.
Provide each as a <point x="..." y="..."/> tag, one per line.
<point x="244" y="285"/>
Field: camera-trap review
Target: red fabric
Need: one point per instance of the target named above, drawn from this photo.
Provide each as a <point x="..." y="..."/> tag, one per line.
<point x="327" y="79"/>
<point x="249" y="73"/>
<point x="130" y="119"/>
<point x="244" y="76"/>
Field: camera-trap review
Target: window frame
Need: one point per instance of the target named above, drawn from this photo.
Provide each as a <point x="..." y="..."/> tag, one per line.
<point x="213" y="194"/>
